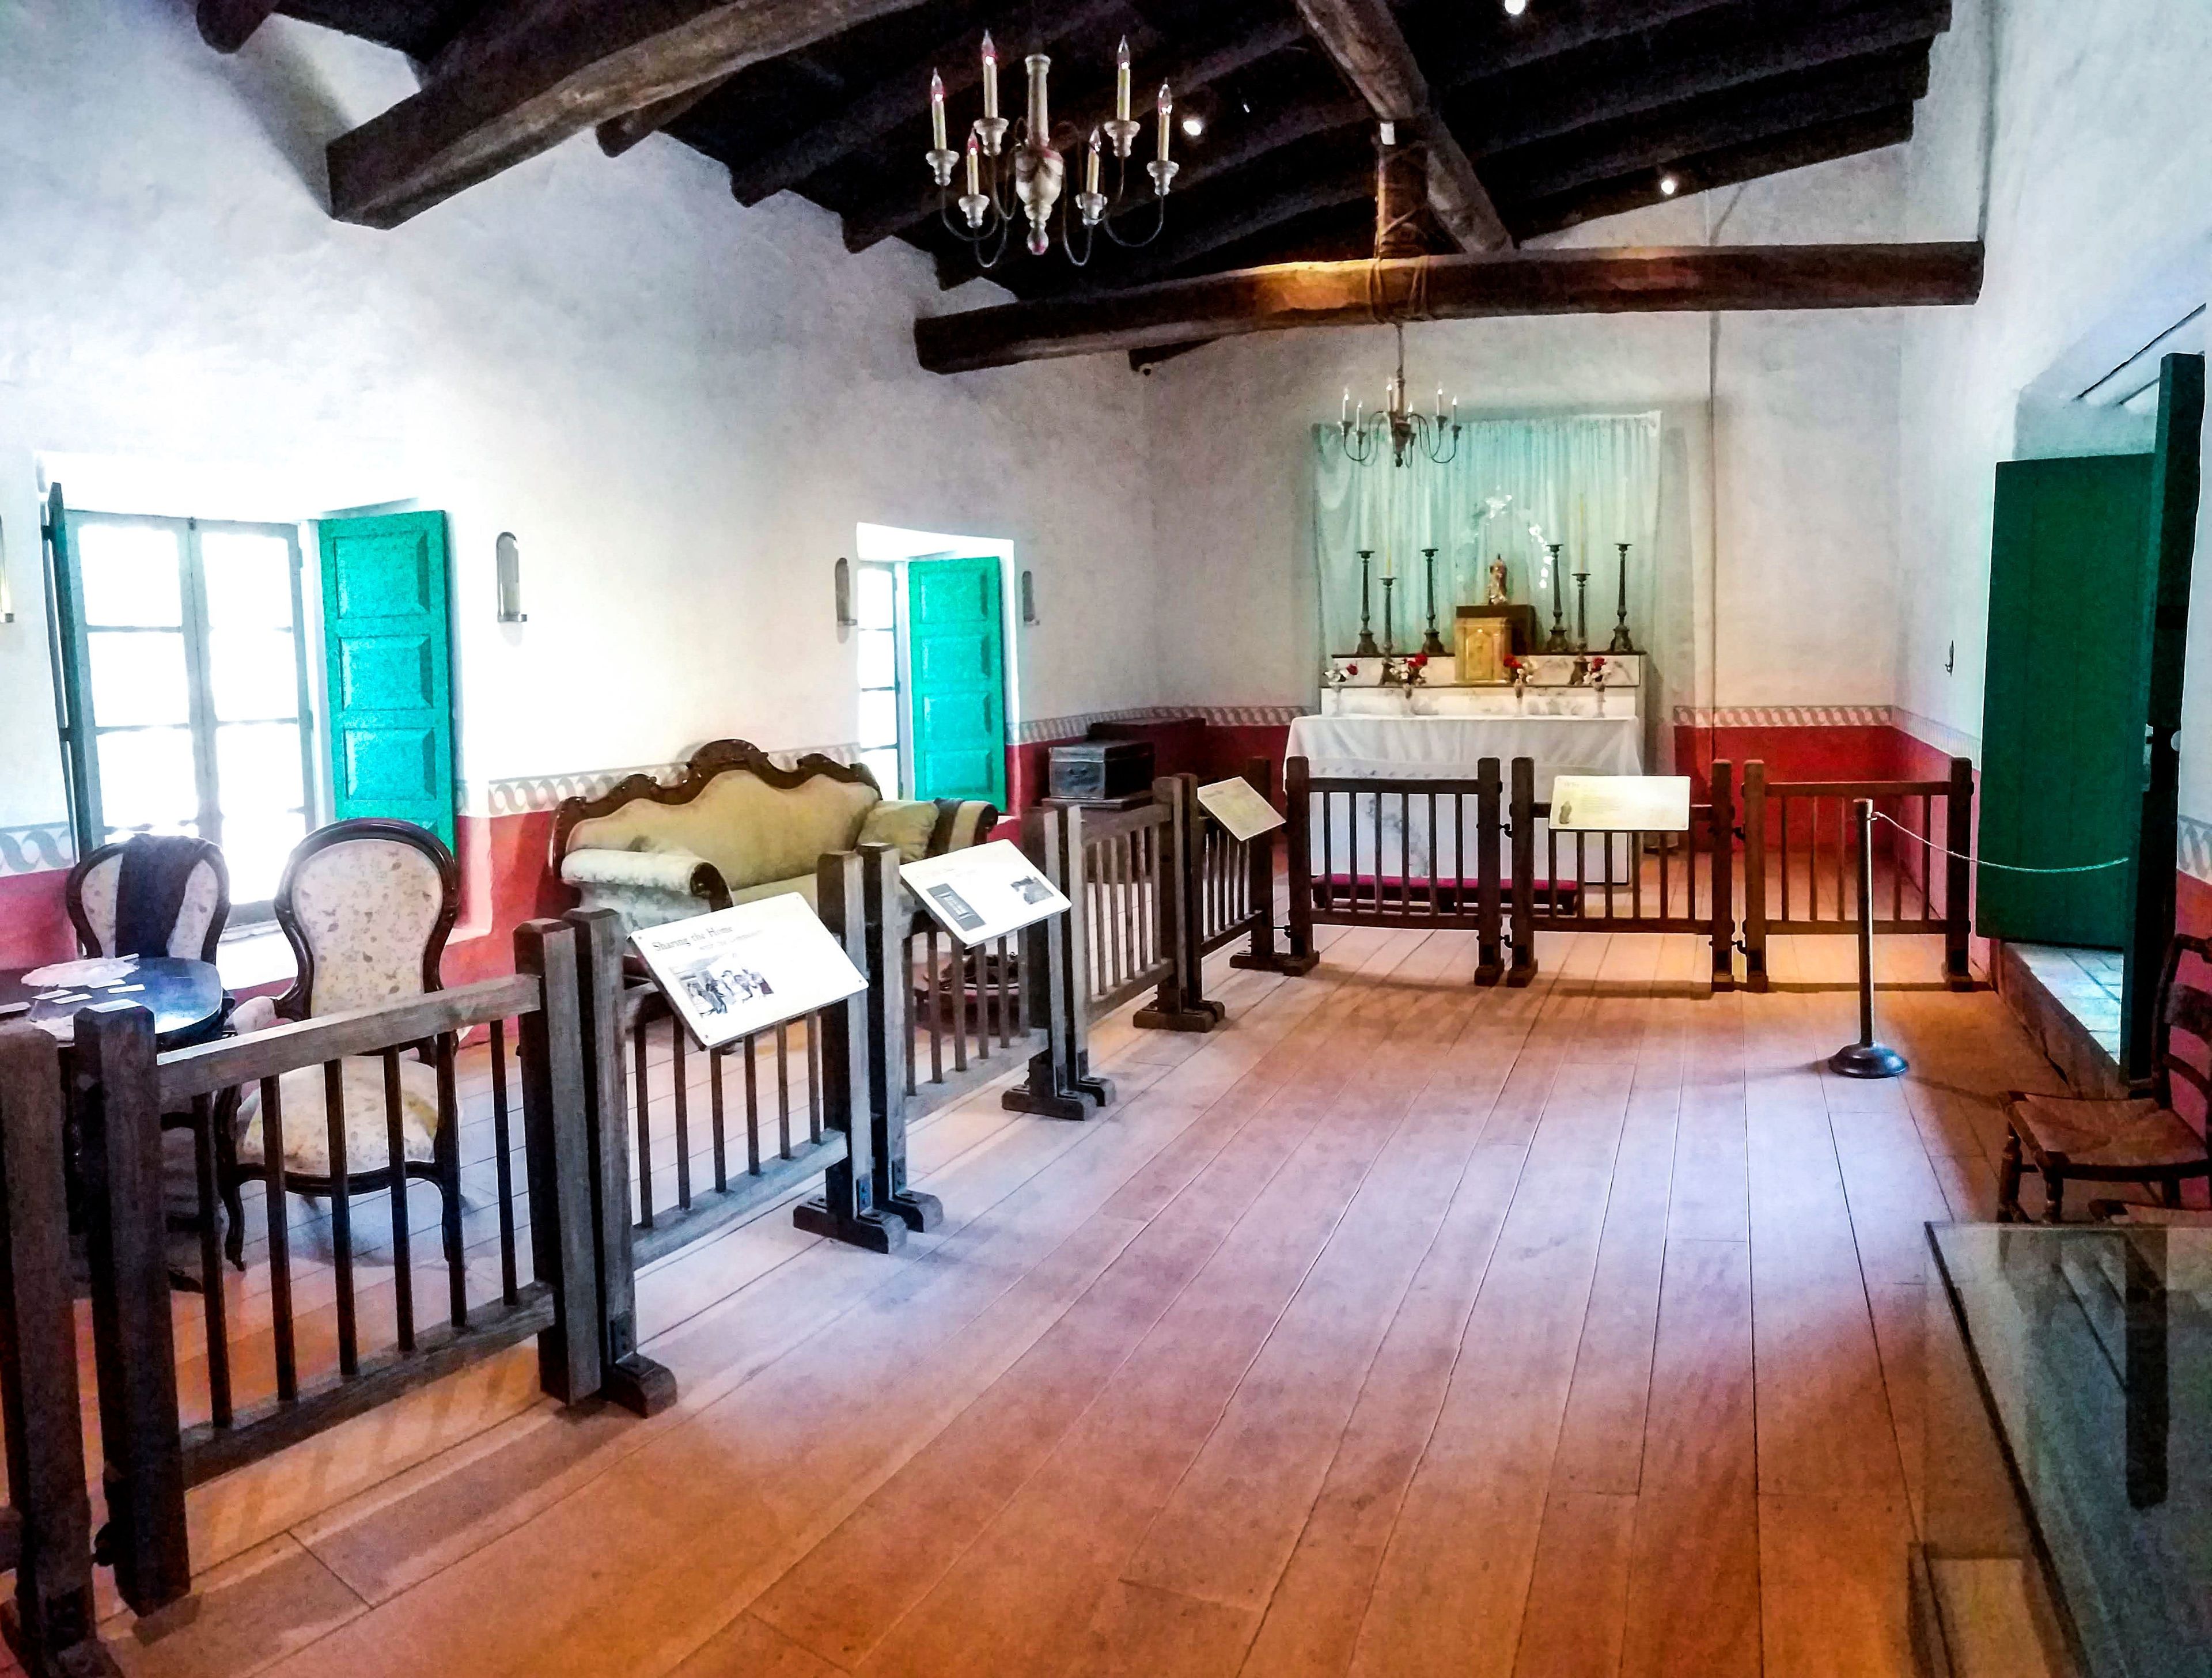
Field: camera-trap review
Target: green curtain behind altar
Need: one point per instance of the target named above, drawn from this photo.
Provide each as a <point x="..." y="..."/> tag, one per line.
<point x="1589" y="481"/>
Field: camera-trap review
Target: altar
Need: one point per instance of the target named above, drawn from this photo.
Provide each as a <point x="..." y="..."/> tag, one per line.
<point x="1408" y="746"/>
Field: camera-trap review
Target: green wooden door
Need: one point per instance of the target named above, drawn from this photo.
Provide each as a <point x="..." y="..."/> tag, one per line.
<point x="2071" y="578"/>
<point x="956" y="669"/>
<point x="388" y="657"/>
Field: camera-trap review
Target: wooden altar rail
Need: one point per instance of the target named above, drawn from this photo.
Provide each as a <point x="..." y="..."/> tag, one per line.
<point x="1801" y="870"/>
<point x="1660" y="874"/>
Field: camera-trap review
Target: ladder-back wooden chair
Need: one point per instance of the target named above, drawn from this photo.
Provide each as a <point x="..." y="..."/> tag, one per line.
<point x="367" y="906"/>
<point x="2140" y="1140"/>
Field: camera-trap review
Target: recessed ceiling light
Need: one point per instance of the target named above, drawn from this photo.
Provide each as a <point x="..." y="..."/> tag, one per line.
<point x="1514" y="7"/>
<point x="1669" y="182"/>
<point x="1192" y="123"/>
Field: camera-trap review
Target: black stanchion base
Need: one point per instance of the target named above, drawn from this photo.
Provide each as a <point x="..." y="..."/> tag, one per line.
<point x="639" y="1384"/>
<point x="920" y="1212"/>
<point x="870" y="1231"/>
<point x="1867" y="1060"/>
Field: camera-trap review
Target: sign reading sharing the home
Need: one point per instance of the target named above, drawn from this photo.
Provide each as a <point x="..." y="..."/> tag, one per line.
<point x="1236" y="804"/>
<point x="983" y="892"/>
<point x="740" y="971"/>
<point x="1621" y="804"/>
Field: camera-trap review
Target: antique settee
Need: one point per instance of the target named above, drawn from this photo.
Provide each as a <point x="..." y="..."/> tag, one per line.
<point x="734" y="827"/>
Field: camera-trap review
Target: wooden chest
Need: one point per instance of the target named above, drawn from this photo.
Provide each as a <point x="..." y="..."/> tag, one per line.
<point x="1100" y="772"/>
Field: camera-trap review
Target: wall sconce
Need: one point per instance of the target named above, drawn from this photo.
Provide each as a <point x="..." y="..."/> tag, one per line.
<point x="1029" y="599"/>
<point x="846" y="620"/>
<point x="509" y="556"/>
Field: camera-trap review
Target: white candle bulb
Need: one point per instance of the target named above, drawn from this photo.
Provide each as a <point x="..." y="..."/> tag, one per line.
<point x="1090" y="169"/>
<point x="1166" y="108"/>
<point x="937" y="110"/>
<point x="975" y="167"/>
<point x="990" y="79"/>
<point x="1121" y="81"/>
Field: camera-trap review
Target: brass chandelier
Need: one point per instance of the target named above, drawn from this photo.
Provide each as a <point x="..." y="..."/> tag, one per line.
<point x="1031" y="173"/>
<point x="1361" y="434"/>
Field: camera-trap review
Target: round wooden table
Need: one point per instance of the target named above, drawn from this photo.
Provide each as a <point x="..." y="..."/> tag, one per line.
<point x="184" y="997"/>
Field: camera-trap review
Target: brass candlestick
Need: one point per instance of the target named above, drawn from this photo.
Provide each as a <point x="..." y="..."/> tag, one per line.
<point x="1621" y="643"/>
<point x="1389" y="633"/>
<point x="1556" y="641"/>
<point x="1432" y="644"/>
<point x="1367" y="649"/>
<point x="1582" y="611"/>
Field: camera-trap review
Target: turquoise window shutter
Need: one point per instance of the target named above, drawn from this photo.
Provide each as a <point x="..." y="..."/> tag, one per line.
<point x="388" y="661"/>
<point x="957" y="667"/>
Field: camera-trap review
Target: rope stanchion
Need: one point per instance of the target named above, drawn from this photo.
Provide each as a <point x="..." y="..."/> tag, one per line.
<point x="1866" y="1058"/>
<point x="2005" y="867"/>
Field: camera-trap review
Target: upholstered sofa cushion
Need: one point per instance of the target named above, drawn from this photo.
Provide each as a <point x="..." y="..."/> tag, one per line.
<point x="907" y="823"/>
<point x="753" y="833"/>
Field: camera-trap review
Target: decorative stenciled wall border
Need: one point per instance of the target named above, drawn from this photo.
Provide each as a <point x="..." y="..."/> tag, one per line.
<point x="36" y="850"/>
<point x="1041" y="729"/>
<point x="1786" y="716"/>
<point x="2194" y="849"/>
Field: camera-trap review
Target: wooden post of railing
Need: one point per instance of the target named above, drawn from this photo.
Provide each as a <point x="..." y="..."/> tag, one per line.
<point x="627" y="1376"/>
<point x="52" y="1621"/>
<point x="1722" y="838"/>
<point x="1298" y="804"/>
<point x="846" y="1209"/>
<point x="1489" y="820"/>
<point x="1522" y="828"/>
<point x="1754" y="874"/>
<point x="556" y="1127"/>
<point x="134" y="1346"/>
<point x="1180" y="1004"/>
<point x="890" y="1033"/>
<point x="1958" y="882"/>
<point x="1060" y="1085"/>
<point x="1260" y="954"/>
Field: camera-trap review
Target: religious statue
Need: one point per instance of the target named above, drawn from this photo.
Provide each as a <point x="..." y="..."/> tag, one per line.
<point x="1499" y="593"/>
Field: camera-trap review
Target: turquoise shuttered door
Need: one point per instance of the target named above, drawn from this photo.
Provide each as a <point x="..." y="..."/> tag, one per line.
<point x="389" y="662"/>
<point x="956" y="680"/>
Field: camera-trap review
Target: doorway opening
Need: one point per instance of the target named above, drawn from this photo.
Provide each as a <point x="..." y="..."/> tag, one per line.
<point x="934" y="691"/>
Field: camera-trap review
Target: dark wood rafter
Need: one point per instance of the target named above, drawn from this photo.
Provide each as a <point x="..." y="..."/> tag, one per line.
<point x="227" y="25"/>
<point x="1487" y="122"/>
<point x="901" y="207"/>
<point x="617" y="135"/>
<point x="900" y="97"/>
<point x="1549" y="32"/>
<point x="1459" y="288"/>
<point x="1762" y="114"/>
<point x="1364" y="38"/>
<point x="1823" y="143"/>
<point x="565" y="67"/>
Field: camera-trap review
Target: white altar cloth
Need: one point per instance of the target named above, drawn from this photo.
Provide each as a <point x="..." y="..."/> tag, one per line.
<point x="1413" y="748"/>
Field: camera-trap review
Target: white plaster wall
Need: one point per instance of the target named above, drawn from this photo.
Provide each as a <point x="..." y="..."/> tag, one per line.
<point x="681" y="407"/>
<point x="1794" y="506"/>
<point x="2089" y="122"/>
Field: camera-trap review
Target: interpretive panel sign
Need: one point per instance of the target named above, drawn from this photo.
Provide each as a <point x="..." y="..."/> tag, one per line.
<point x="983" y="892"/>
<point x="1621" y="804"/>
<point x="1236" y="804"/>
<point x="739" y="970"/>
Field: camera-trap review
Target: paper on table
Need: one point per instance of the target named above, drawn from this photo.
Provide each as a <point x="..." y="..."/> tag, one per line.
<point x="1236" y="804"/>
<point x="983" y="892"/>
<point x="93" y="971"/>
<point x="740" y="971"/>
<point x="1621" y="804"/>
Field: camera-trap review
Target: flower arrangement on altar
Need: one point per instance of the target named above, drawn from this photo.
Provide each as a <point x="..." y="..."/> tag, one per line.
<point x="1516" y="672"/>
<point x="1417" y="670"/>
<point x="1341" y="675"/>
<point x="1597" y="670"/>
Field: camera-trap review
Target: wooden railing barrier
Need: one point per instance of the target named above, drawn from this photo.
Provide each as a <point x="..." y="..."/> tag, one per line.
<point x="1055" y="967"/>
<point x="46" y="1530"/>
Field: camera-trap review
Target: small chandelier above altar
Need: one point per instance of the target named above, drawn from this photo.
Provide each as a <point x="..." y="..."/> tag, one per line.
<point x="1030" y="172"/>
<point x="1361" y="433"/>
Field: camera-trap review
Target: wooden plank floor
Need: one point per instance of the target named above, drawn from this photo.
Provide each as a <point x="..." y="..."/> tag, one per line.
<point x="1398" y="1327"/>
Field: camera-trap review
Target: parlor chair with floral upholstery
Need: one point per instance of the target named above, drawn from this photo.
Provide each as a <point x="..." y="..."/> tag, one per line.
<point x="177" y="904"/>
<point x="736" y="826"/>
<point x="367" y="906"/>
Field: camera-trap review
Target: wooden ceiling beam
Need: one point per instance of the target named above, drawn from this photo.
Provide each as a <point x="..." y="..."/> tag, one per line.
<point x="901" y="208"/>
<point x="1364" y="38"/>
<point x="1201" y="236"/>
<point x="227" y="25"/>
<point x="1634" y="87"/>
<point x="1821" y="143"/>
<point x="1456" y="287"/>
<point x="565" y="66"/>
<point x="1550" y="31"/>
<point x="1763" y="112"/>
